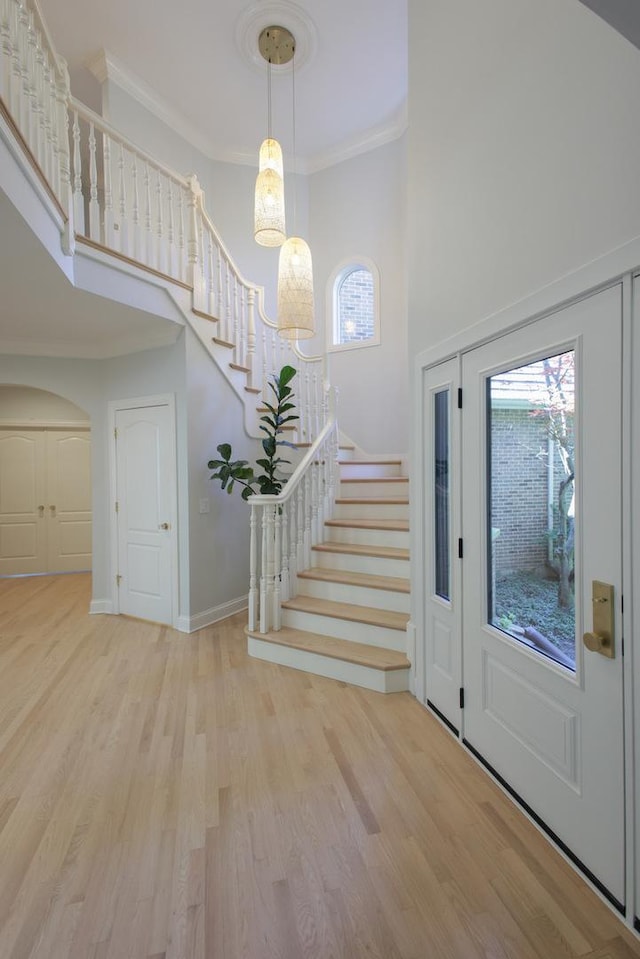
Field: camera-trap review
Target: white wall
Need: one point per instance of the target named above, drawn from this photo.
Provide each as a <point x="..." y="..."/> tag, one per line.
<point x="219" y="539"/>
<point x="24" y="405"/>
<point x="358" y="208"/>
<point x="524" y="151"/>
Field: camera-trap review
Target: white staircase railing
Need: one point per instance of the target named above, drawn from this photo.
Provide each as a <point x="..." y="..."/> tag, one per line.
<point x="285" y="527"/>
<point x="115" y="196"/>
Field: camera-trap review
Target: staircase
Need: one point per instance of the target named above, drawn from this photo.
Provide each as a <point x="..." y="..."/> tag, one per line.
<point x="348" y="620"/>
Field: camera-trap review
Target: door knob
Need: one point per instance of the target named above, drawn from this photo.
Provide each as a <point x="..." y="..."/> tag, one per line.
<point x="164" y="526"/>
<point x="53" y="510"/>
<point x="41" y="510"/>
<point x="600" y="640"/>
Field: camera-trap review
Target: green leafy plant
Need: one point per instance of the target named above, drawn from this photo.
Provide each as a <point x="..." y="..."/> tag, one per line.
<point x="270" y="482"/>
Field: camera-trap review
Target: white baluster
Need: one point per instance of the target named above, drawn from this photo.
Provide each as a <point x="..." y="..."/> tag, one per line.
<point x="23" y="50"/>
<point x="193" y="240"/>
<point x="171" y="265"/>
<point x="219" y="314"/>
<point x="276" y="616"/>
<point x="315" y="497"/>
<point x="293" y="547"/>
<point x="265" y="371"/>
<point x="182" y="259"/>
<point x="253" y="559"/>
<point x="108" y="192"/>
<point x="211" y="296"/>
<point x="161" y="247"/>
<point x="229" y="331"/>
<point x="122" y="203"/>
<point x="237" y="331"/>
<point x="78" y="199"/>
<point x="264" y="606"/>
<point x="146" y="255"/>
<point x="308" y="509"/>
<point x="5" y="48"/>
<point x="16" y="71"/>
<point x="284" y="565"/>
<point x="251" y="334"/>
<point x="307" y="406"/>
<point x="64" y="159"/>
<point x="300" y="563"/>
<point x="94" y="209"/>
<point x="136" y="239"/>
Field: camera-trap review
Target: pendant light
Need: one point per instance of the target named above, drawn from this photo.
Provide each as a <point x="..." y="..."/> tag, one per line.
<point x="276" y="44"/>
<point x="295" y="271"/>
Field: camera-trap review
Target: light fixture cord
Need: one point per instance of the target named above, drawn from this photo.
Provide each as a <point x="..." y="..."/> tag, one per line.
<point x="269" y="99"/>
<point x="295" y="159"/>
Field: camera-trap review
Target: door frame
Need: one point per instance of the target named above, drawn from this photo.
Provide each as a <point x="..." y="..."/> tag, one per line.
<point x="142" y="402"/>
<point x="621" y="266"/>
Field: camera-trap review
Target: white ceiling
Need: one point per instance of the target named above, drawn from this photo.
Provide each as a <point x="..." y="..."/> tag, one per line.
<point x="198" y="61"/>
<point x="195" y="64"/>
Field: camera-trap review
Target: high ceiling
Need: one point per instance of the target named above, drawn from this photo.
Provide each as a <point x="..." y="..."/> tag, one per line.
<point x="197" y="64"/>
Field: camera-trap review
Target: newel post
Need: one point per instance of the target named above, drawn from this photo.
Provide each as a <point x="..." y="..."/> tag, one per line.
<point x="194" y="268"/>
<point x="253" y="562"/>
<point x="63" y="93"/>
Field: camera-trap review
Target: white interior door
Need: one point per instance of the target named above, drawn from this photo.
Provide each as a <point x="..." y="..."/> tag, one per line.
<point x="68" y="506"/>
<point x="442" y="567"/>
<point x="146" y="493"/>
<point x="542" y="710"/>
<point x="23" y="542"/>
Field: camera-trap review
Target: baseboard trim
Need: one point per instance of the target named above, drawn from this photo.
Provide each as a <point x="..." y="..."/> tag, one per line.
<point x="100" y="606"/>
<point x="189" y="624"/>
<point x="443" y="719"/>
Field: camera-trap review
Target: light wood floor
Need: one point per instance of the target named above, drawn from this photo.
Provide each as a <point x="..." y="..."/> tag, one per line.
<point x="164" y="796"/>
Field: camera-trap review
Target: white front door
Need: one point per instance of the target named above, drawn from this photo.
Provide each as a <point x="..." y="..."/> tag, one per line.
<point x="541" y="512"/>
<point x="146" y="510"/>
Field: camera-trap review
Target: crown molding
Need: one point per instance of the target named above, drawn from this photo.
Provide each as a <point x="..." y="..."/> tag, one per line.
<point x="104" y="66"/>
<point x="376" y="137"/>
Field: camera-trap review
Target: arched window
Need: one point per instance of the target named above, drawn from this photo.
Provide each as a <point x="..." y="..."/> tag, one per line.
<point x="354" y="319"/>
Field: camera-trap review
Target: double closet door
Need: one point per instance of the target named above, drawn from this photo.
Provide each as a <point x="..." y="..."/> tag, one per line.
<point x="523" y="606"/>
<point x="45" y="501"/>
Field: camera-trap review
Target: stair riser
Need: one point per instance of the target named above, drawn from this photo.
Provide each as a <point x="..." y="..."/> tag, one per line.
<point x="377" y="565"/>
<point x="356" y="470"/>
<point x="372" y="488"/>
<point x="380" y="636"/>
<point x="358" y="595"/>
<point x="367" y="537"/>
<point x="371" y="511"/>
<point x="382" y="681"/>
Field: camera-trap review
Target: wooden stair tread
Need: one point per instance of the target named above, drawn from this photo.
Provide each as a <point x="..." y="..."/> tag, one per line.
<point x="355" y="614"/>
<point x="392" y="583"/>
<point x="239" y="368"/>
<point x="358" y="653"/>
<point x="205" y="316"/>
<point x="375" y="500"/>
<point x="373" y="479"/>
<point x="356" y="549"/>
<point x="369" y="462"/>
<point x="399" y="525"/>
<point x="225" y="343"/>
<point x="251" y="389"/>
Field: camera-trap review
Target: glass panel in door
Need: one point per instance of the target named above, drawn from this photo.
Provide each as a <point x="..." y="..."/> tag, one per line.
<point x="531" y="505"/>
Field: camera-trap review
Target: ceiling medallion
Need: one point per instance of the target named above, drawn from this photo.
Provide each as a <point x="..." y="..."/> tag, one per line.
<point x="293" y="20"/>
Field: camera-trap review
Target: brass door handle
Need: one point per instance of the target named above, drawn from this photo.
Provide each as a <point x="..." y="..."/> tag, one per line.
<point x="164" y="526"/>
<point x="601" y="639"/>
<point x="598" y="643"/>
<point x="53" y="510"/>
<point x="41" y="510"/>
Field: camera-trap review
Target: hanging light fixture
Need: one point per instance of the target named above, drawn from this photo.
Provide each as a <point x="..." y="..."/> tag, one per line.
<point x="295" y="270"/>
<point x="277" y="45"/>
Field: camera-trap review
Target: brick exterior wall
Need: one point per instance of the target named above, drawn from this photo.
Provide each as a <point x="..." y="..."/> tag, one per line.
<point x="355" y="304"/>
<point x="519" y="489"/>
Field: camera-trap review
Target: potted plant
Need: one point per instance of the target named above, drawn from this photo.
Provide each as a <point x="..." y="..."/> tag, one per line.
<point x="270" y="482"/>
